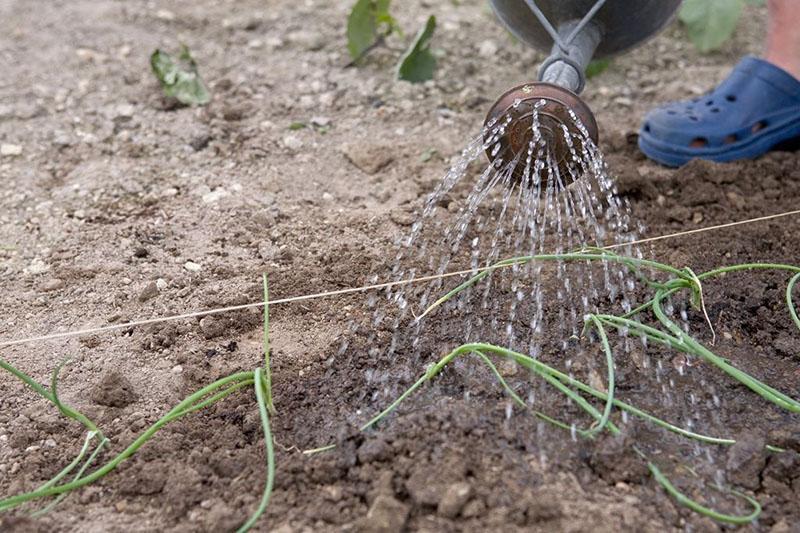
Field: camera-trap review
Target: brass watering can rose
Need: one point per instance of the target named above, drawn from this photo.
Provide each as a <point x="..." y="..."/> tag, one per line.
<point x="553" y="107"/>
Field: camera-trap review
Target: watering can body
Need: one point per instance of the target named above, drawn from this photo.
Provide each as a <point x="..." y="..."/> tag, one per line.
<point x="623" y="24"/>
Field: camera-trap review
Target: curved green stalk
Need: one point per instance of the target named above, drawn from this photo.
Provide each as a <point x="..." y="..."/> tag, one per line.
<point x="694" y="506"/>
<point x="261" y="398"/>
<point x="790" y="299"/>
<point x="172" y="415"/>
<point x="75" y="462"/>
<point x="392" y="406"/>
<point x="514" y="396"/>
<point x="749" y="266"/>
<point x="78" y="475"/>
<point x="544" y="370"/>
<point x="699" y="302"/>
<point x="647" y="305"/>
<point x="689" y="345"/>
<point x="478" y="348"/>
<point x="321" y="449"/>
<point x="641" y="329"/>
<point x="267" y="365"/>
<point x="44" y="393"/>
<point x="177" y="412"/>
<point x="601" y="424"/>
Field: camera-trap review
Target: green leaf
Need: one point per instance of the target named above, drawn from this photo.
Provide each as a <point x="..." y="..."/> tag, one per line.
<point x="361" y="28"/>
<point x="418" y="63"/>
<point x="428" y="154"/>
<point x="368" y="21"/>
<point x="294" y="126"/>
<point x="710" y="23"/>
<point x="180" y="80"/>
<point x="597" y="67"/>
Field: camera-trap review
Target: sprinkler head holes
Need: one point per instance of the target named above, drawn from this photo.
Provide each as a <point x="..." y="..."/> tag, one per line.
<point x="511" y="124"/>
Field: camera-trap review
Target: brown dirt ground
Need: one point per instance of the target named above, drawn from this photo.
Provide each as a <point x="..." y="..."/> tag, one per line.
<point x="114" y="191"/>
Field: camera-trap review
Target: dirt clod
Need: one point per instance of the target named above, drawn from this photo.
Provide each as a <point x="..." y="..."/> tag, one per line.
<point x="150" y="291"/>
<point x="113" y="390"/>
<point x="454" y="499"/>
<point x="374" y="449"/>
<point x="52" y="284"/>
<point x="543" y="506"/>
<point x="212" y="326"/>
<point x="784" y="467"/>
<point x="149" y="479"/>
<point x="746" y="460"/>
<point x="614" y="461"/>
<point x="428" y="483"/>
<point x="386" y="515"/>
<point x="370" y="158"/>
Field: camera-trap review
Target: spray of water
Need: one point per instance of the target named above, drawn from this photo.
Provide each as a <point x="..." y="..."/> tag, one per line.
<point x="519" y="204"/>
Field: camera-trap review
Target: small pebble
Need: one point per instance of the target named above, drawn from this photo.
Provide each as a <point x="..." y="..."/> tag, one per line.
<point x="165" y="14"/>
<point x="124" y="112"/>
<point x="488" y="48"/>
<point x="37" y="266"/>
<point x="52" y="284"/>
<point x="215" y="195"/>
<point x="10" y="150"/>
<point x="292" y="143"/>
<point x="161" y="284"/>
<point x="150" y="290"/>
<point x="191" y="266"/>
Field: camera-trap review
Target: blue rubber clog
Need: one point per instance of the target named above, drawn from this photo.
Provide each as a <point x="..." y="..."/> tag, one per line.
<point x="753" y="111"/>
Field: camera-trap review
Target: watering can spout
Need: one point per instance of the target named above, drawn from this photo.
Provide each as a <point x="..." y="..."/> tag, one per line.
<point x="574" y="32"/>
<point x="566" y="66"/>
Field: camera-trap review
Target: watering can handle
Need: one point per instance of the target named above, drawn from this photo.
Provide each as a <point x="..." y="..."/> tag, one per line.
<point x="574" y="45"/>
<point x="564" y="43"/>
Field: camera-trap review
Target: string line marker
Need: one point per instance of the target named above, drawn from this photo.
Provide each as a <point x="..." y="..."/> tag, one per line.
<point x="341" y="292"/>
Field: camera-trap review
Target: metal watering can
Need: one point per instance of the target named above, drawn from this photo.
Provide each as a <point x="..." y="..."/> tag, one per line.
<point x="575" y="32"/>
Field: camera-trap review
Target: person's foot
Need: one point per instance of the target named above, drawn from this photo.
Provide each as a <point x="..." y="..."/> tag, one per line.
<point x="756" y="109"/>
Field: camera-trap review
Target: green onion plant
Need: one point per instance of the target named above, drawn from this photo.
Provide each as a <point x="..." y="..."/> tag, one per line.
<point x="601" y="406"/>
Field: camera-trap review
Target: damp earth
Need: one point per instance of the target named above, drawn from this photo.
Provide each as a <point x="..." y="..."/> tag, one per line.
<point x="118" y="208"/>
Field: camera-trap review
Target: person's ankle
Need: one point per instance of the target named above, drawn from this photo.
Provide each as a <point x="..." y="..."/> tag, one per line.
<point x="789" y="64"/>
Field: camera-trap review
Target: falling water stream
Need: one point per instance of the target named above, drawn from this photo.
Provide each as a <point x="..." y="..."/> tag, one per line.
<point x="520" y="204"/>
<point x="517" y="205"/>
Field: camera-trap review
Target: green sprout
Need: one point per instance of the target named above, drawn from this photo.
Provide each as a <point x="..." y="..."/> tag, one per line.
<point x="260" y="378"/>
<point x="370" y="24"/>
<point x="575" y="390"/>
<point x="180" y="79"/>
<point x="666" y="333"/>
